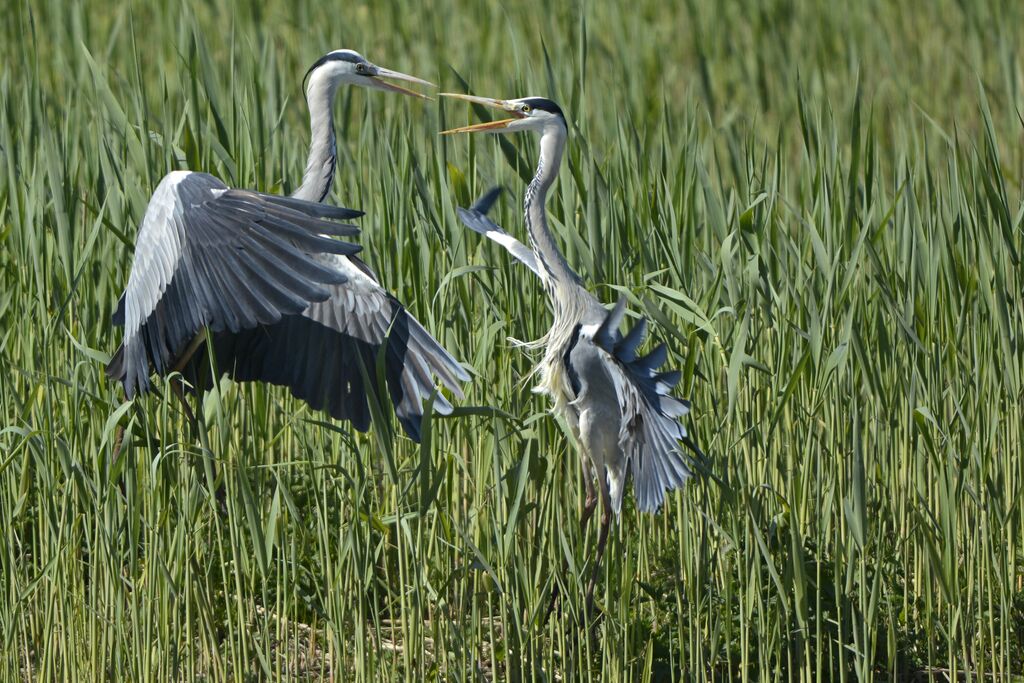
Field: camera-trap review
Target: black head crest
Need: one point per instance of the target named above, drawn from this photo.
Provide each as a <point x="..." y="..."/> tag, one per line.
<point x="544" y="104"/>
<point x="350" y="56"/>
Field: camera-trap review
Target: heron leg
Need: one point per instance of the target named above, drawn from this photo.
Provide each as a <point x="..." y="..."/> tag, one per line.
<point x="602" y="541"/>
<point x="586" y="466"/>
<point x="588" y="511"/>
<point x="177" y="385"/>
<point x="220" y="492"/>
<point x="176" y="388"/>
<point x="189" y="351"/>
<point x="590" y="504"/>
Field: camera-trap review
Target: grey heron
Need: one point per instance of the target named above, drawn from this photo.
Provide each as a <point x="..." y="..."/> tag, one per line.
<point x="283" y="304"/>
<point x="618" y="405"/>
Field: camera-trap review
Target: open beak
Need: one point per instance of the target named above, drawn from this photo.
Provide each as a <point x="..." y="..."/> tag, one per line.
<point x="380" y="72"/>
<point x="504" y="105"/>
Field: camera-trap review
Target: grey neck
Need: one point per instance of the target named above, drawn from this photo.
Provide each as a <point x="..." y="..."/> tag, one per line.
<point x="555" y="273"/>
<point x="323" y="154"/>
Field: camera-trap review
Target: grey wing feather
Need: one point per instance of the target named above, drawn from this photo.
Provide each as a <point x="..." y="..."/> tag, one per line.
<point x="327" y="355"/>
<point x="650" y="431"/>
<point x="485" y="202"/>
<point x="318" y="210"/>
<point x="210" y="256"/>
<point x="412" y="356"/>
<point x="475" y="218"/>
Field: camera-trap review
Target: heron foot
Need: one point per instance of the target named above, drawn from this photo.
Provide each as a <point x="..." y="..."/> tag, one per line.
<point x="219" y="489"/>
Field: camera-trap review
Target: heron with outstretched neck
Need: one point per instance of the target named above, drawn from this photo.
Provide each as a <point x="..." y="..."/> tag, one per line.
<point x="281" y="302"/>
<point x="618" y="405"/>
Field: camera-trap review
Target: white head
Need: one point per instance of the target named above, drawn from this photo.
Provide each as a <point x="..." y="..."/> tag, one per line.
<point x="348" y="67"/>
<point x="538" y="114"/>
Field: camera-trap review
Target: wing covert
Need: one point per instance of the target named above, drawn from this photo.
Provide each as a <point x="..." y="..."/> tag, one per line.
<point x="210" y="256"/>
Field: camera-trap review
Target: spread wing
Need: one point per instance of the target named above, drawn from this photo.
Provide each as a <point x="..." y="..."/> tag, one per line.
<point x="475" y="218"/>
<point x="211" y="256"/>
<point x="325" y="354"/>
<point x="650" y="430"/>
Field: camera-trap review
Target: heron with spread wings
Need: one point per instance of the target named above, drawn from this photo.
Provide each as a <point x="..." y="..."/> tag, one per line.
<point x="617" y="404"/>
<point x="282" y="301"/>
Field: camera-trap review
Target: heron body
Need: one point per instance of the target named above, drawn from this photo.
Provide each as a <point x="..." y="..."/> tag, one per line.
<point x="331" y="318"/>
<point x="617" y="405"/>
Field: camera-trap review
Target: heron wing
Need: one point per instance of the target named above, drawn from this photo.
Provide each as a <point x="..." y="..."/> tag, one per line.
<point x="208" y="256"/>
<point x="326" y="354"/>
<point x="650" y="429"/>
<point x="475" y="218"/>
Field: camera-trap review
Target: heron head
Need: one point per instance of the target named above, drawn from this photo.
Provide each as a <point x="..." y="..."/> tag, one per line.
<point x="348" y="67"/>
<point x="527" y="113"/>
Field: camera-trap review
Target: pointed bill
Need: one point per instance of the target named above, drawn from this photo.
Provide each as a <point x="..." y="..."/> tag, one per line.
<point x="504" y="105"/>
<point x="380" y="72"/>
<point x="486" y="101"/>
<point x="480" y="127"/>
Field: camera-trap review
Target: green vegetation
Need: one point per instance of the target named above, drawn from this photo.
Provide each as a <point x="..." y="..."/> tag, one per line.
<point x="820" y="207"/>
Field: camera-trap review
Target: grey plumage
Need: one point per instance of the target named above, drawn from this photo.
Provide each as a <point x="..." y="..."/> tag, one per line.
<point x="650" y="431"/>
<point x="618" y="405"/>
<point x="283" y="303"/>
<point x="326" y="353"/>
<point x="208" y="256"/>
<point x="475" y="218"/>
<point x="600" y="368"/>
<point x="360" y="318"/>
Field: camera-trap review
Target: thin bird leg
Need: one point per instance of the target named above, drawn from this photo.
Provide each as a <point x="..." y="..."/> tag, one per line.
<point x="189" y="351"/>
<point x="183" y="360"/>
<point x="220" y="492"/>
<point x="176" y="386"/>
<point x="590" y="504"/>
<point x="602" y="541"/>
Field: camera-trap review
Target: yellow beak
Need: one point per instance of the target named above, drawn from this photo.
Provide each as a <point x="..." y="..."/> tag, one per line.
<point x="380" y="72"/>
<point x="487" y="125"/>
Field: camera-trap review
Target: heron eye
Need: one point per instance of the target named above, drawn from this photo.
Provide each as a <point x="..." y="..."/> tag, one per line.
<point x="527" y="109"/>
<point x="360" y="67"/>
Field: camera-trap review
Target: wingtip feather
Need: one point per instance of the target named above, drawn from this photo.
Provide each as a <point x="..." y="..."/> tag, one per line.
<point x="486" y="201"/>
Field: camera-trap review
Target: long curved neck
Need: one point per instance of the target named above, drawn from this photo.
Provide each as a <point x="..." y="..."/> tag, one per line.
<point x="555" y="273"/>
<point x="323" y="153"/>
